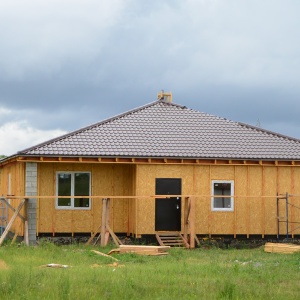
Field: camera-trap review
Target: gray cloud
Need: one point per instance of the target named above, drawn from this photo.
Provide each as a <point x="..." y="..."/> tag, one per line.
<point x="66" y="64"/>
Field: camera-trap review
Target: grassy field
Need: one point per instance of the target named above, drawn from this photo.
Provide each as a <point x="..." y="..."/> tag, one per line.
<point x="183" y="274"/>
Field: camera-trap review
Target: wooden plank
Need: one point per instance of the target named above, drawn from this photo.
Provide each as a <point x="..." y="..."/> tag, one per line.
<point x="103" y="221"/>
<point x="144" y="247"/>
<point x="186" y="217"/>
<point x="93" y="235"/>
<point x="159" y="240"/>
<point x="12" y="208"/>
<point x="114" y="237"/>
<point x="197" y="240"/>
<point x="192" y="223"/>
<point x="4" y="234"/>
<point x="26" y="234"/>
<point x="281" y="248"/>
<point x="14" y="238"/>
<point x="103" y="254"/>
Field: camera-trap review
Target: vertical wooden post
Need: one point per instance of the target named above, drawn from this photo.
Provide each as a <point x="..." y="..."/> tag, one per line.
<point x="192" y="222"/>
<point x="263" y="204"/>
<point x="107" y="222"/>
<point x="103" y="221"/>
<point x="26" y="233"/>
<point x="248" y="203"/>
<point x="186" y="217"/>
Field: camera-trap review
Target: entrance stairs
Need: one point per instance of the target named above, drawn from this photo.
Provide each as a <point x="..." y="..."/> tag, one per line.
<point x="171" y="238"/>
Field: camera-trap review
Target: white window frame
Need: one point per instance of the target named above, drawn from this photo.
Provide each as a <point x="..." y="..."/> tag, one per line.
<point x="72" y="190"/>
<point x="231" y="195"/>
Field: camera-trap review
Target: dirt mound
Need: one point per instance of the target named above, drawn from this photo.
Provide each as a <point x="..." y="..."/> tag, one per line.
<point x="3" y="265"/>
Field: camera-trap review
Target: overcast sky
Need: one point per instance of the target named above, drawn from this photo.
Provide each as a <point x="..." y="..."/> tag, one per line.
<point x="65" y="64"/>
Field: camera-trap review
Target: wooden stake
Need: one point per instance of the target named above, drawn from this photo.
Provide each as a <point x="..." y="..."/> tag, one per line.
<point x="103" y="221"/>
<point x="114" y="237"/>
<point x="186" y="217"/>
<point x="26" y="235"/>
<point x="192" y="223"/>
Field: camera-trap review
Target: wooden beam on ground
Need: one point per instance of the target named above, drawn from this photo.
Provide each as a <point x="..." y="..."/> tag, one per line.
<point x="103" y="254"/>
<point x="144" y="250"/>
<point x="281" y="248"/>
<point x="4" y="234"/>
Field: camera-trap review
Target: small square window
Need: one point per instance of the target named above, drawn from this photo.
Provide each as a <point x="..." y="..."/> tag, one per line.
<point x="223" y="192"/>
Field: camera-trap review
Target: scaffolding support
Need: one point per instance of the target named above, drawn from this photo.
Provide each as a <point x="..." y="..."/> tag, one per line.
<point x="286" y="220"/>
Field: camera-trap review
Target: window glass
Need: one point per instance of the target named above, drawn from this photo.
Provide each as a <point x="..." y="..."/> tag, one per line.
<point x="82" y="188"/>
<point x="64" y="189"/>
<point x="222" y="188"/>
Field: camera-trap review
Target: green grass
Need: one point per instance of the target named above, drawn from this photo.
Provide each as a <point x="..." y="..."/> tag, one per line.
<point x="183" y="274"/>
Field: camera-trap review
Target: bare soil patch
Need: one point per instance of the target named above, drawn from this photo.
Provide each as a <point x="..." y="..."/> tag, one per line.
<point x="3" y="265"/>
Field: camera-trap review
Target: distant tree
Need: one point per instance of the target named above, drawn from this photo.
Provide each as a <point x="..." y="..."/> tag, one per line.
<point x="2" y="156"/>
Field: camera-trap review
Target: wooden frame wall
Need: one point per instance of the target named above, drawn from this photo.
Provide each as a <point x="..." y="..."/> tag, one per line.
<point x="256" y="185"/>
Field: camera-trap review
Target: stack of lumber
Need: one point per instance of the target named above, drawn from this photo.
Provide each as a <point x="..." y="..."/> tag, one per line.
<point x="281" y="248"/>
<point x="142" y="250"/>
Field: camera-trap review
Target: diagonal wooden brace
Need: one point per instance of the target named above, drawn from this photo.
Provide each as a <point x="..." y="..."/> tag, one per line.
<point x="4" y="234"/>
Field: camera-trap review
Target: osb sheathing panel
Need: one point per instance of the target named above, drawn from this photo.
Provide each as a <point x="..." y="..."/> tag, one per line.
<point x="270" y="191"/>
<point x="254" y="212"/>
<point x="107" y="180"/>
<point x="284" y="185"/>
<point x="146" y="176"/>
<point x="203" y="210"/>
<point x="121" y="185"/>
<point x="240" y="202"/>
<point x="132" y="204"/>
<point x="16" y="171"/>
<point x="295" y="215"/>
<point x="221" y="221"/>
<point x="46" y="207"/>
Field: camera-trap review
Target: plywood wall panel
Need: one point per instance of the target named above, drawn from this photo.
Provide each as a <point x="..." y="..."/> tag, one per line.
<point x="270" y="191"/>
<point x="240" y="202"/>
<point x="203" y="201"/>
<point x="255" y="200"/>
<point x="146" y="176"/>
<point x="107" y="180"/>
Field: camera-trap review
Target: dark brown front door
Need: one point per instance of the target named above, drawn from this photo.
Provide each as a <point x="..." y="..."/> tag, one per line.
<point x="168" y="210"/>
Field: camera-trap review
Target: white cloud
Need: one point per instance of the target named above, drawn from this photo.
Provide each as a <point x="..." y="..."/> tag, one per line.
<point x="16" y="136"/>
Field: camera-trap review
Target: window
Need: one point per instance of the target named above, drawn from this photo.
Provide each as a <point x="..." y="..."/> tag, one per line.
<point x="73" y="184"/>
<point x="222" y="188"/>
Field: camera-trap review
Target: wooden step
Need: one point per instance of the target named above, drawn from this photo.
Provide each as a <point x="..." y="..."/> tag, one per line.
<point x="172" y="239"/>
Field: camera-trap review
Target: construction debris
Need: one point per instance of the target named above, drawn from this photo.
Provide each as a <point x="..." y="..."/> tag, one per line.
<point x="281" y="248"/>
<point x="103" y="254"/>
<point x="115" y="265"/>
<point x="54" y="266"/>
<point x="142" y="250"/>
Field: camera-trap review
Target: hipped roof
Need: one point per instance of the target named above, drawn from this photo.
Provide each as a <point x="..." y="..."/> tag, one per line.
<point x="164" y="129"/>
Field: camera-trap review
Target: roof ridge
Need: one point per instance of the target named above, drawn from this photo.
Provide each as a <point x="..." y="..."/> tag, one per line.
<point x="129" y="112"/>
<point x="269" y="131"/>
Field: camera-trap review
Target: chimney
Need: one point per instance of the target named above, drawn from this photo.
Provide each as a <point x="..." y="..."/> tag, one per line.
<point x="163" y="96"/>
